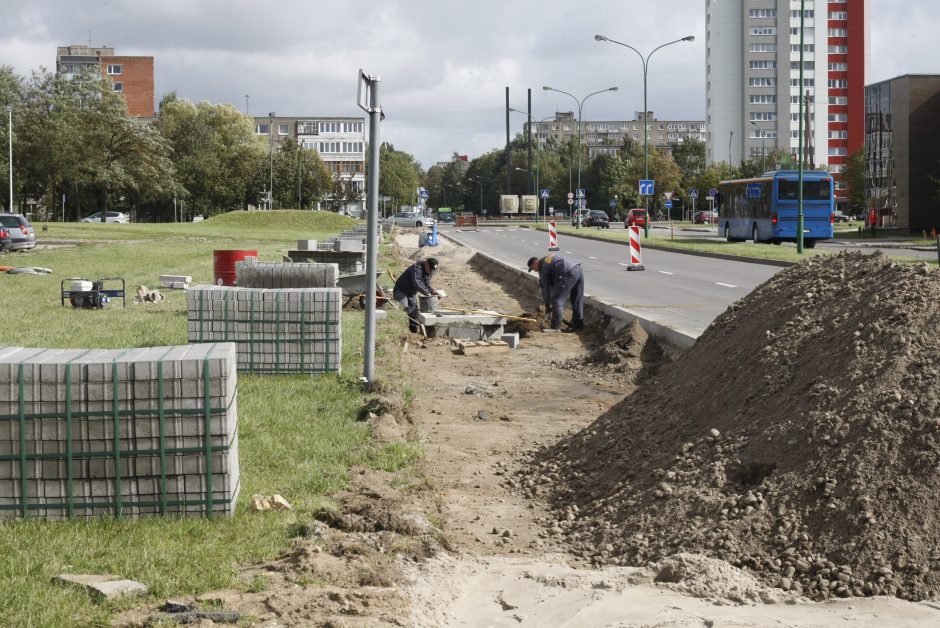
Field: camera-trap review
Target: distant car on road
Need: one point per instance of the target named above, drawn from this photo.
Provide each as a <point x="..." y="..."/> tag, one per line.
<point x="409" y="219"/>
<point x="840" y="217"/>
<point x="596" y="218"/>
<point x="636" y="218"/>
<point x="118" y="217"/>
<point x="579" y="215"/>
<point x="16" y="233"/>
<point x="705" y="218"/>
<point x="446" y="218"/>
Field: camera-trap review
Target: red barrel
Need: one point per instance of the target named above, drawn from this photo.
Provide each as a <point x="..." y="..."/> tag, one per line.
<point x="223" y="265"/>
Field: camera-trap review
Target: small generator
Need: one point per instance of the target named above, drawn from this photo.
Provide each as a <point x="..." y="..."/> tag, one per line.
<point x="82" y="293"/>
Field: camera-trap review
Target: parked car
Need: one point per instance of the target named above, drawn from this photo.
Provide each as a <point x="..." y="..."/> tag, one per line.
<point x="579" y="215"/>
<point x="705" y="218"/>
<point x="636" y="218"/>
<point x="840" y="217"/>
<point x="118" y="217"/>
<point x="446" y="218"/>
<point x="16" y="234"/>
<point x="597" y="218"/>
<point x="409" y="219"/>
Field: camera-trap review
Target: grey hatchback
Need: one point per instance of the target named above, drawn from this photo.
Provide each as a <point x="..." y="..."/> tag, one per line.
<point x="16" y="233"/>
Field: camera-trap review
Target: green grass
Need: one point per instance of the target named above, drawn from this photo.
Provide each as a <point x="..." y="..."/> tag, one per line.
<point x="298" y="435"/>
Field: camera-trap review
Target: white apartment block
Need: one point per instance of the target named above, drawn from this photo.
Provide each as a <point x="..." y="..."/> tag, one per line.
<point x="753" y="78"/>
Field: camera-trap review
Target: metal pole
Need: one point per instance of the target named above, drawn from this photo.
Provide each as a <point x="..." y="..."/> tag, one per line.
<point x="271" y="160"/>
<point x="10" y="134"/>
<point x="646" y="139"/>
<point x="530" y="146"/>
<point x="299" y="155"/>
<point x="508" y="153"/>
<point x="799" y="216"/>
<point x="372" y="253"/>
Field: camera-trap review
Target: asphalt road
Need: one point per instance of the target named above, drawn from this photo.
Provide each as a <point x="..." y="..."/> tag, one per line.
<point x="683" y="292"/>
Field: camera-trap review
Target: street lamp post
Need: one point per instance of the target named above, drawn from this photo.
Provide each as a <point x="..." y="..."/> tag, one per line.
<point x="532" y="183"/>
<point x="481" y="192"/>
<point x="646" y="63"/>
<point x="10" y="134"/>
<point x="300" y="153"/>
<point x="760" y="132"/>
<point x="271" y="160"/>
<point x="580" y="108"/>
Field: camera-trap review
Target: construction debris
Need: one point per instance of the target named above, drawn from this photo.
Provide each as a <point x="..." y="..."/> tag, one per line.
<point x="798" y="440"/>
<point x="146" y="295"/>
<point x="105" y="586"/>
<point x="264" y="503"/>
<point x="473" y="347"/>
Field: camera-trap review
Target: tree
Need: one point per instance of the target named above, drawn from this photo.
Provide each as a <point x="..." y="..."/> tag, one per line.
<point x="854" y="176"/>
<point x="399" y="175"/>
<point x="300" y="171"/>
<point x="689" y="155"/>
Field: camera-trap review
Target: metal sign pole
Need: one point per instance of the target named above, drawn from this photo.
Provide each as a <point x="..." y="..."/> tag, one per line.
<point x="369" y="88"/>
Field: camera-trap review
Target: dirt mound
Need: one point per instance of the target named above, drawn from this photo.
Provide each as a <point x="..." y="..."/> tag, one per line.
<point x="799" y="439"/>
<point x="631" y="352"/>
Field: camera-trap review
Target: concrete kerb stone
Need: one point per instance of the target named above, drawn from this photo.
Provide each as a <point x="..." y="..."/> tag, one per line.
<point x="597" y="308"/>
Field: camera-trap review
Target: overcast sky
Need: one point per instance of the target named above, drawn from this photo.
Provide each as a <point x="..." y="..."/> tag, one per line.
<point x="444" y="64"/>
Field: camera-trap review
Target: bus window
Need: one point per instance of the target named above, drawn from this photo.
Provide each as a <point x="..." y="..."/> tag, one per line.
<point x="812" y="190"/>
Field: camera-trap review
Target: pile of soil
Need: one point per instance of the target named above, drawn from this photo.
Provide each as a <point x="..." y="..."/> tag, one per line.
<point x="799" y="440"/>
<point x="631" y="352"/>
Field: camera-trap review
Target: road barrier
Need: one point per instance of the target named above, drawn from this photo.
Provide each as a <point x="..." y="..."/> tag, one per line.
<point x="467" y="220"/>
<point x="552" y="237"/>
<point x="636" y="260"/>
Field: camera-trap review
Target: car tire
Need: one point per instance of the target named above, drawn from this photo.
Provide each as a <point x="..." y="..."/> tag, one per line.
<point x="417" y="225"/>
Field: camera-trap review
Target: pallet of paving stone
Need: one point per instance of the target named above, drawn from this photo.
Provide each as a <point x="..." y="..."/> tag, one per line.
<point x="254" y="274"/>
<point x="477" y="347"/>
<point x="278" y="331"/>
<point x="124" y="433"/>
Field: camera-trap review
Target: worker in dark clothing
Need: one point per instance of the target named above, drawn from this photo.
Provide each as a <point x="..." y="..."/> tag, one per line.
<point x="561" y="279"/>
<point x="414" y="281"/>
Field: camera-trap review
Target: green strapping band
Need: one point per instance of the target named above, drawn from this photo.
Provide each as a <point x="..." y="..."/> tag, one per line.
<point x="251" y="333"/>
<point x="202" y="296"/>
<point x="208" y="431"/>
<point x="162" y="423"/>
<point x="116" y="410"/>
<point x="69" y="489"/>
<point x="303" y="329"/>
<point x="22" y="408"/>
<point x="277" y="327"/>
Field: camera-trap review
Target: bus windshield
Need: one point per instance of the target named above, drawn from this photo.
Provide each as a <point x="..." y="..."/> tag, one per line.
<point x="812" y="190"/>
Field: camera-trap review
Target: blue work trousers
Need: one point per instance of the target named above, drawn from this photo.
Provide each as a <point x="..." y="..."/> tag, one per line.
<point x="570" y="286"/>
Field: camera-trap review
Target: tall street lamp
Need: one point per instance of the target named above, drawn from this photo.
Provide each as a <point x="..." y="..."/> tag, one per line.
<point x="580" y="107"/>
<point x="10" y="134"/>
<point x="538" y="149"/>
<point x="481" y="192"/>
<point x="760" y="132"/>
<point x="271" y="160"/>
<point x="646" y="63"/>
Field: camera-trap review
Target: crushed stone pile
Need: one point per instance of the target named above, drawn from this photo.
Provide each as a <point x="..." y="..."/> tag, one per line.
<point x="630" y="352"/>
<point x="799" y="440"/>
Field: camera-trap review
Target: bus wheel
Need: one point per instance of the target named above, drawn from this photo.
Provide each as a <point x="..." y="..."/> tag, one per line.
<point x="810" y="244"/>
<point x="728" y="237"/>
<point x="754" y="233"/>
<point x="776" y="242"/>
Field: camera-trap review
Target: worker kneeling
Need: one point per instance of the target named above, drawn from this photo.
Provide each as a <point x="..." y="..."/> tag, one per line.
<point x="560" y="279"/>
<point x="416" y="279"/>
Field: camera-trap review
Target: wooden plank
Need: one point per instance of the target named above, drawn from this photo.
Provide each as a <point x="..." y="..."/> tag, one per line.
<point x="473" y="347"/>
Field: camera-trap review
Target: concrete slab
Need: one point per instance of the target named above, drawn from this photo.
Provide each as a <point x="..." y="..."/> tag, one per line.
<point x="106" y="586"/>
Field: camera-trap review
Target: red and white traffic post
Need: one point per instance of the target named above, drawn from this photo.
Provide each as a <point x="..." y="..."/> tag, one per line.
<point x="552" y="237"/>
<point x="636" y="260"/>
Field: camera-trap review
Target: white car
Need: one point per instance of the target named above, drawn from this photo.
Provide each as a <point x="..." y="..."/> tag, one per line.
<point x="118" y="217"/>
<point x="409" y="219"/>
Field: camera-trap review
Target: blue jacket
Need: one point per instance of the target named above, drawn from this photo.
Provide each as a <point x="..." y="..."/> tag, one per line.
<point x="413" y="281"/>
<point x="551" y="271"/>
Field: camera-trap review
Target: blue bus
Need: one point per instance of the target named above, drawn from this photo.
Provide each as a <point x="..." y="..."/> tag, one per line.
<point x="764" y="209"/>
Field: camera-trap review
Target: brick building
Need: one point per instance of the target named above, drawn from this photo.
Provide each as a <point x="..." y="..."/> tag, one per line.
<point x="131" y="76"/>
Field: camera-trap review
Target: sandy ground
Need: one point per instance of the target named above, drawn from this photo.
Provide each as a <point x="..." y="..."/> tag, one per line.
<point x="507" y="570"/>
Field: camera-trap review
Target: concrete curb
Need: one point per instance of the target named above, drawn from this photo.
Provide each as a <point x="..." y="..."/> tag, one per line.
<point x="620" y="317"/>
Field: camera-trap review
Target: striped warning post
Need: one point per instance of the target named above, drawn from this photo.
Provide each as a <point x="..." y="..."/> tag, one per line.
<point x="552" y="237"/>
<point x="636" y="261"/>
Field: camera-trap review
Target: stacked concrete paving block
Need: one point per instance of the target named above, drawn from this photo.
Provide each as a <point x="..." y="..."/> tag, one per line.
<point x="253" y="274"/>
<point x="126" y="433"/>
<point x="290" y="330"/>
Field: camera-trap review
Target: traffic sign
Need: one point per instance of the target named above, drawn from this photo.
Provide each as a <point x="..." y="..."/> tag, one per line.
<point x="571" y="201"/>
<point x="544" y="193"/>
<point x="422" y="193"/>
<point x="570" y="195"/>
<point x="647" y="187"/>
<point x="712" y="192"/>
<point x="580" y="193"/>
<point x="613" y="203"/>
<point x="668" y="195"/>
<point x="693" y="193"/>
<point x="668" y="204"/>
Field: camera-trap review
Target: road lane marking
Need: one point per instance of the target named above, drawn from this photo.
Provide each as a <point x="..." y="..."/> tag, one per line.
<point x="665" y="272"/>
<point x="726" y="285"/>
<point x="591" y="257"/>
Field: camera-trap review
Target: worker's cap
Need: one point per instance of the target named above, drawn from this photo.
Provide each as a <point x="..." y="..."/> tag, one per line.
<point x="531" y="262"/>
<point x="432" y="263"/>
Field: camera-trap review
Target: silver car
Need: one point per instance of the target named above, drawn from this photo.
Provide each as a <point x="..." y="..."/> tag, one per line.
<point x="409" y="219"/>
<point x="118" y="217"/>
<point x="16" y="233"/>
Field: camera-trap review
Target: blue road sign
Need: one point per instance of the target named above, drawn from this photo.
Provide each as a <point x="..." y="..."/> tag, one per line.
<point x="753" y="190"/>
<point x="422" y="193"/>
<point x="647" y="187"/>
<point x="693" y="193"/>
<point x="668" y="204"/>
<point x="712" y="192"/>
<point x="613" y="203"/>
<point x="580" y="193"/>
<point x="544" y="193"/>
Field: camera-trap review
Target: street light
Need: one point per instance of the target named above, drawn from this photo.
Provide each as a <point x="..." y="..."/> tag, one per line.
<point x="538" y="151"/>
<point x="271" y="160"/>
<point x="646" y="63"/>
<point x="10" y="134"/>
<point x="760" y="131"/>
<point x="580" y="106"/>
<point x="481" y="192"/>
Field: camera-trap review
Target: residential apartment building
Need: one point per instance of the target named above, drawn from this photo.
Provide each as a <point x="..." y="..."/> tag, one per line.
<point x="606" y="137"/>
<point x="131" y="76"/>
<point x="902" y="131"/>
<point x="753" y="88"/>
<point x="340" y="142"/>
